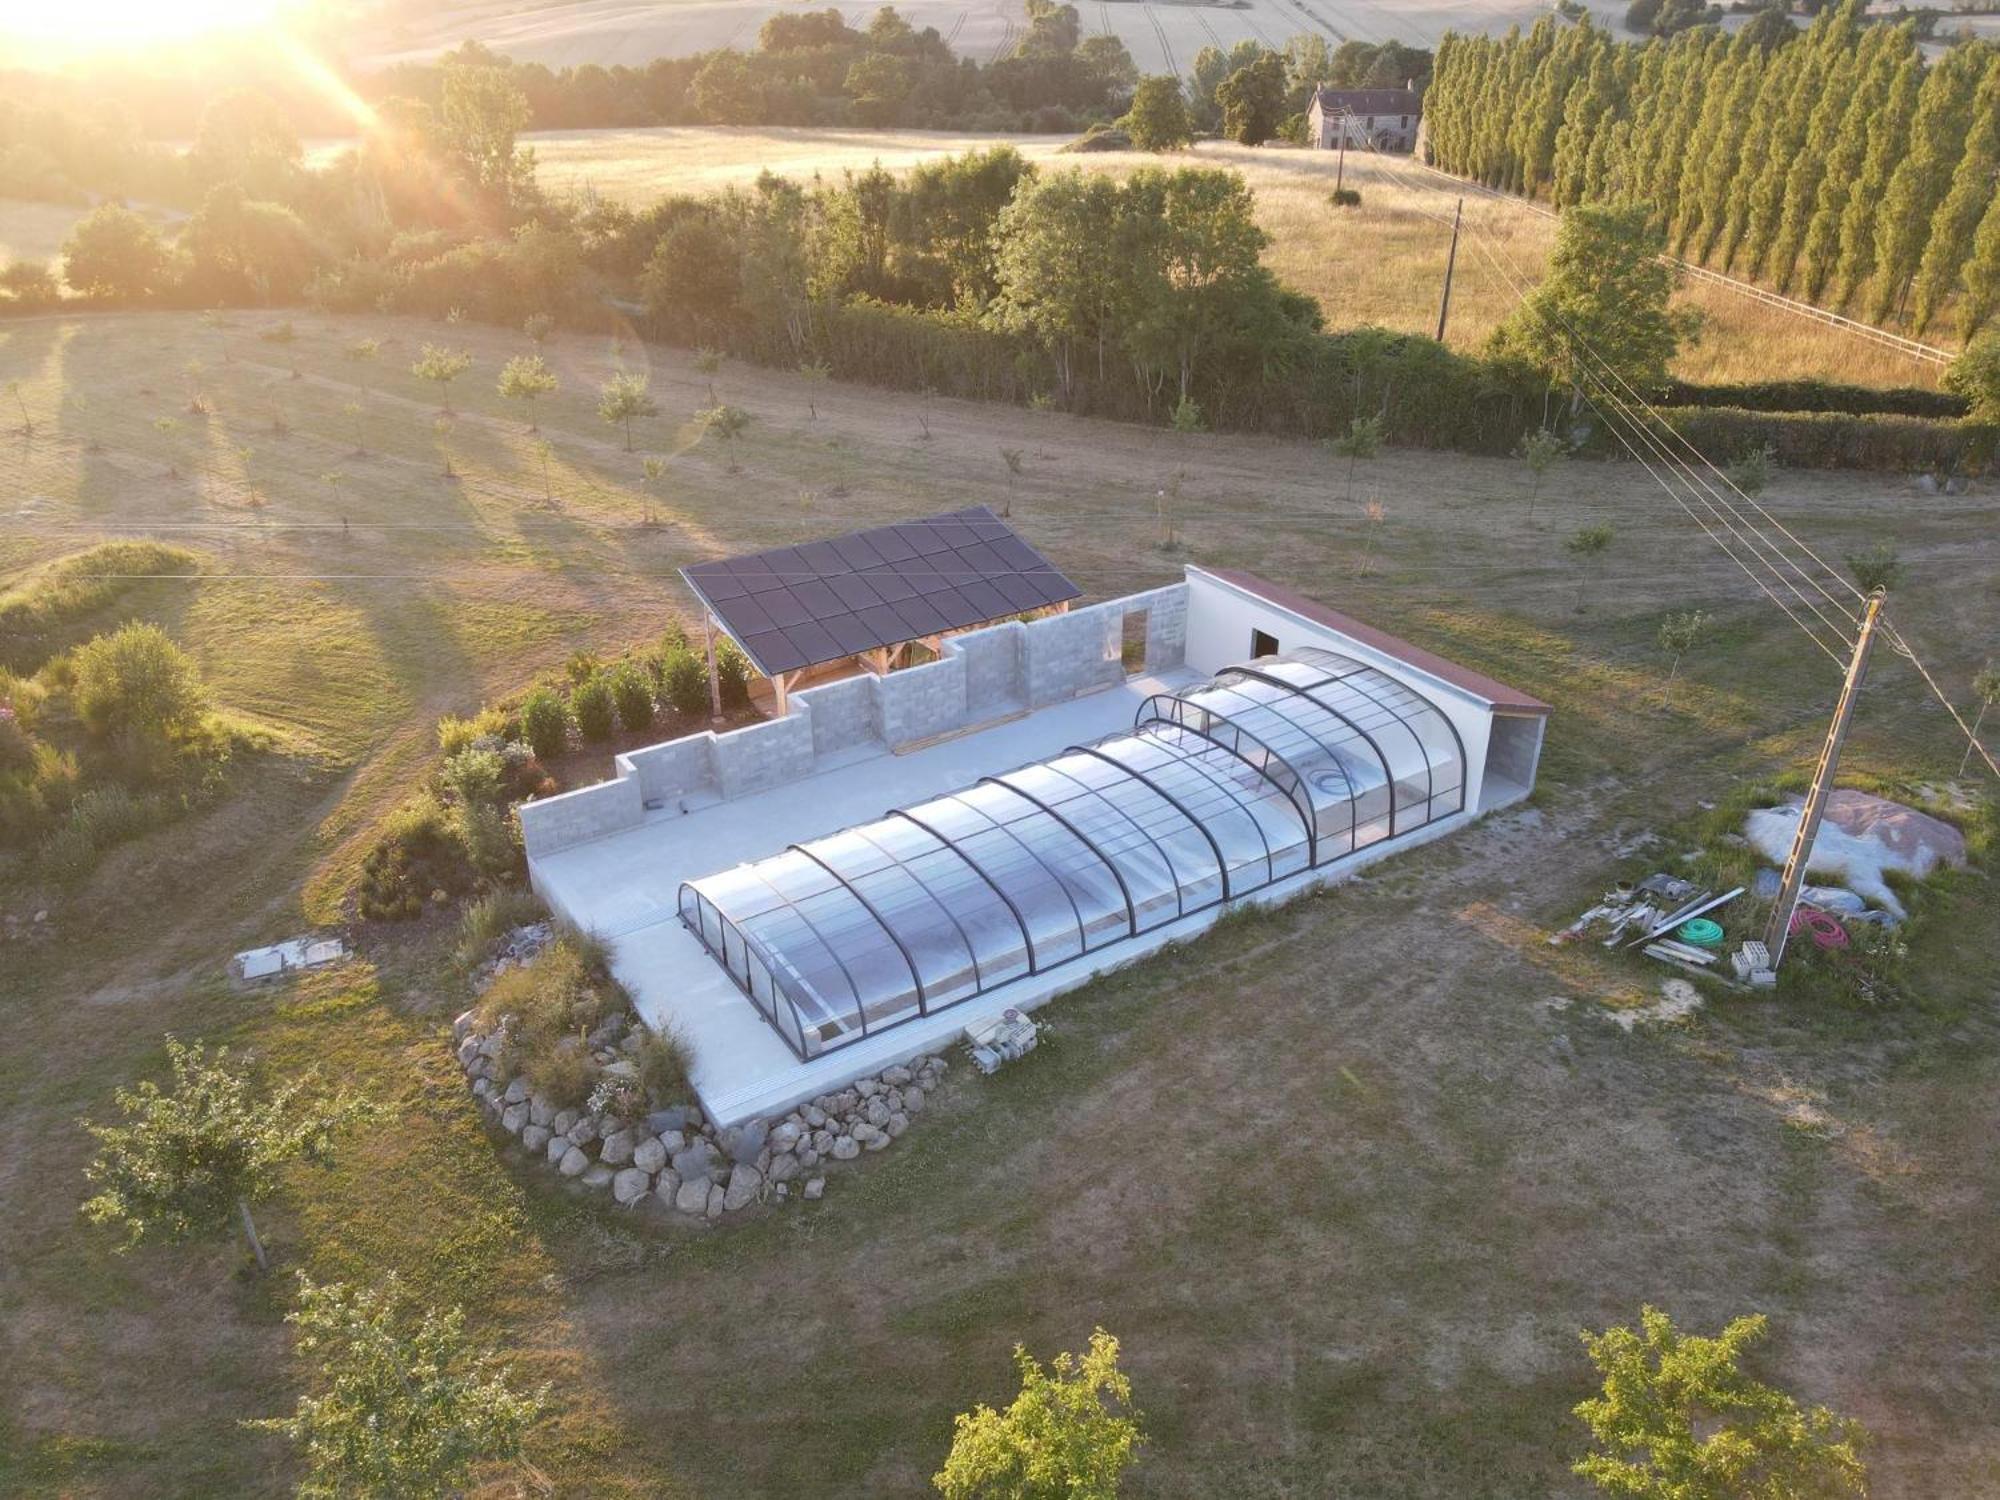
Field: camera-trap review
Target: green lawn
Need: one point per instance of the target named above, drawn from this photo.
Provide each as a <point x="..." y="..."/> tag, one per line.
<point x="1345" y="1178"/>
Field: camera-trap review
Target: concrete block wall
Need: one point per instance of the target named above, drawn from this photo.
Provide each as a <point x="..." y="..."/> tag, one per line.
<point x="676" y="769"/>
<point x="764" y="755"/>
<point x="923" y="701"/>
<point x="845" y="715"/>
<point x="980" y="676"/>
<point x="576" y="817"/>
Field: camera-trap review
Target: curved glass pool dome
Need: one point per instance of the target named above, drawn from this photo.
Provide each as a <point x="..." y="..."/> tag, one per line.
<point x="1272" y="768"/>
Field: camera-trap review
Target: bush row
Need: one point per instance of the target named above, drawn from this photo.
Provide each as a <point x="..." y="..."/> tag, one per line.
<point x="1819" y="396"/>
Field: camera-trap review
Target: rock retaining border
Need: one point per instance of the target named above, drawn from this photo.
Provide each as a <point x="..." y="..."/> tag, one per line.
<point x="677" y="1156"/>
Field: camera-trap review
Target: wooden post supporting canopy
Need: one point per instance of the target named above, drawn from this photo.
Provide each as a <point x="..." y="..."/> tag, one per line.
<point x="714" y="681"/>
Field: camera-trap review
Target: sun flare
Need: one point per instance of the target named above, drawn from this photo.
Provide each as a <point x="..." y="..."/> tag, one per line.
<point x="118" y="25"/>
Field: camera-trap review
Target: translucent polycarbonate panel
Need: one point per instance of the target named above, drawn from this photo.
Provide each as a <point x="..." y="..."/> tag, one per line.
<point x="1021" y="871"/>
<point x="925" y="931"/>
<point x="1269" y="769"/>
<point x="1194" y="860"/>
<point x="1146" y="874"/>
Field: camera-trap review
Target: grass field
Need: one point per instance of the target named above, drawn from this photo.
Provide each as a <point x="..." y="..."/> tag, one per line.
<point x="1382" y="263"/>
<point x="1346" y="1178"/>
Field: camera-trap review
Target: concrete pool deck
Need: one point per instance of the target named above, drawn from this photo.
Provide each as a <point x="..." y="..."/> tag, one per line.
<point x="625" y="887"/>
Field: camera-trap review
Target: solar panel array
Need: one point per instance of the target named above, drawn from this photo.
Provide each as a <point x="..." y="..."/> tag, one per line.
<point x="795" y="607"/>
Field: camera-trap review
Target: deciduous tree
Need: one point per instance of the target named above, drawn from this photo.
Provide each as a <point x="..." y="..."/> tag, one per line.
<point x="1070" y="1434"/>
<point x="1158" y="119"/>
<point x="626" y="396"/>
<point x="526" y="378"/>
<point x="441" y="366"/>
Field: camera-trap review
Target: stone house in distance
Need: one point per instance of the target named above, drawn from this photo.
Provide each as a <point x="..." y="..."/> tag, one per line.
<point x="1381" y="119"/>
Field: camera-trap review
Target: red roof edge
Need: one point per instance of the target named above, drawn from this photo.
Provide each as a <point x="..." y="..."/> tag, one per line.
<point x="1503" y="698"/>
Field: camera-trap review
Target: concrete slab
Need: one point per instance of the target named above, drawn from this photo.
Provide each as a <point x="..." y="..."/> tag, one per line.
<point x="625" y="887"/>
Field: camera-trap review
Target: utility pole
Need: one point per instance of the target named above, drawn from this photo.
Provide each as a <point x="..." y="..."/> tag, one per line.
<point x="1822" y="787"/>
<point x="1450" y="265"/>
<point x="1340" y="163"/>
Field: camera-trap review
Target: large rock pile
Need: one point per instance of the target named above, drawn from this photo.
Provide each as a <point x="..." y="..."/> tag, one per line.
<point x="674" y="1155"/>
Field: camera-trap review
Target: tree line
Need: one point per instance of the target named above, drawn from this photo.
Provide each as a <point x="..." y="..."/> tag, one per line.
<point x="1834" y="164"/>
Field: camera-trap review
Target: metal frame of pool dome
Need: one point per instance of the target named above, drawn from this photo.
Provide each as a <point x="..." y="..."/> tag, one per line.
<point x="1321" y="755"/>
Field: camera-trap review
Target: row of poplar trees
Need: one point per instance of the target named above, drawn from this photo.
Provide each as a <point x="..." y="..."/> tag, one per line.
<point x="1832" y="163"/>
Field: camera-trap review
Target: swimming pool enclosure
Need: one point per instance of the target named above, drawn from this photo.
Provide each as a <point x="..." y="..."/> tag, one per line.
<point x="1271" y="768"/>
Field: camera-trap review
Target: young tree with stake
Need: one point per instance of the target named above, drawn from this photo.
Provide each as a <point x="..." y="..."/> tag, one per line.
<point x="195" y="1155"/>
<point x="1680" y="634"/>
<point x="441" y="366"/>
<point x="1680" y="1420"/>
<point x="1541" y="451"/>
<point x="623" y="397"/>
<point x="526" y="378"/>
<point x="1363" y="439"/>
<point x="1072" y="1432"/>
<point x="403" y="1404"/>
<point x="1588" y="546"/>
<point x="727" y="423"/>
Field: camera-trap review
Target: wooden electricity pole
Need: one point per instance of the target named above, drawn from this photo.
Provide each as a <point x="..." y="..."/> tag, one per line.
<point x="1340" y="163"/>
<point x="1822" y="787"/>
<point x="1450" y="265"/>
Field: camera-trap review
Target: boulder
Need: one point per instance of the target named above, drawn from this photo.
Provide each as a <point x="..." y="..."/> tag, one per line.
<point x="869" y="1138"/>
<point x="815" y="1116"/>
<point x="617" y="1148"/>
<point x="898" y="1123"/>
<point x="846" y="1148"/>
<point x="517" y="1091"/>
<point x="461" y="1025"/>
<point x="692" y="1196"/>
<point x="513" y="1117"/>
<point x="559" y="1147"/>
<point x="913" y="1101"/>
<point x="492" y="1044"/>
<point x="673" y="1140"/>
<point x="894" y="1099"/>
<point x="584" y="1131"/>
<point x="564" y="1122"/>
<point x="630" y="1185"/>
<point x="815" y="1189"/>
<point x="897" y="1076"/>
<point x="822" y="1141"/>
<point x="696" y="1163"/>
<point x="541" y="1109"/>
<point x="535" y="1138"/>
<point x="785" y="1136"/>
<point x="597" y="1175"/>
<point x="744" y="1142"/>
<point x="573" y="1163"/>
<point x="660" y="1121"/>
<point x="716" y="1194"/>
<point x="649" y="1155"/>
<point x="667" y="1187"/>
<point x="867" y="1088"/>
<point x="877" y="1113"/>
<point x="784" y="1167"/>
<point x="744" y="1184"/>
<point x="482" y="1089"/>
<point x="808" y="1157"/>
<point x="468" y="1052"/>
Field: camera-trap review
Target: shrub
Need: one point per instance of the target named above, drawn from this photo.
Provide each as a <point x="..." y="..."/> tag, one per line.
<point x="545" y="723"/>
<point x="581" y="667"/>
<point x="595" y="708"/>
<point x="1187" y="417"/>
<point x="475" y="777"/>
<point x="492" y="840"/>
<point x="548" y="1005"/>
<point x="566" y="1072"/>
<point x="491" y="918"/>
<point x="663" y="1061"/>
<point x="456" y="734"/>
<point x="687" y="682"/>
<point x="421" y="849"/>
<point x="137" y="685"/>
<point x="732" y="672"/>
<point x="525" y="775"/>
<point x="632" y="695"/>
<point x="1345" y="197"/>
<point x="96" y="821"/>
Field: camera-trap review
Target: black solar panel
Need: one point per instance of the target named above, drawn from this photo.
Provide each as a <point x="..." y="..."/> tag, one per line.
<point x="794" y="607"/>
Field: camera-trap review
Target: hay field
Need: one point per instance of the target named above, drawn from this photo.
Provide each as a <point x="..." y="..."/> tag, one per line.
<point x="1163" y="36"/>
<point x="1382" y="263"/>
<point x="1420" y="1147"/>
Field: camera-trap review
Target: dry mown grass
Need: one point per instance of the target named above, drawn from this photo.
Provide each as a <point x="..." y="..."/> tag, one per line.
<point x="1329" y="1174"/>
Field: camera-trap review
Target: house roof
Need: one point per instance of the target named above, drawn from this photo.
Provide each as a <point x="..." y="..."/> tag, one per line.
<point x="795" y="607"/>
<point x="1369" y="101"/>
<point x="1503" y="698"/>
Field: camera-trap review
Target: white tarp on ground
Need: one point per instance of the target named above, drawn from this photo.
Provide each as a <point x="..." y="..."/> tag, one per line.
<point x="299" y="953"/>
<point x="1861" y="837"/>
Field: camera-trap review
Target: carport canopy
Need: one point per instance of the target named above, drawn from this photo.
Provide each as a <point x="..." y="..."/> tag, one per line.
<point x="871" y="591"/>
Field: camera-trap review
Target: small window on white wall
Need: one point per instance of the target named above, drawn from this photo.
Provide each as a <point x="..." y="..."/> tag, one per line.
<point x="1262" y="643"/>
